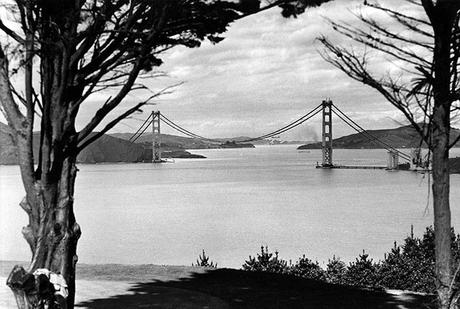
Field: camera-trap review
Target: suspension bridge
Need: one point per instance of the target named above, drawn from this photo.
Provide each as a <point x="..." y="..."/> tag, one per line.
<point x="327" y="108"/>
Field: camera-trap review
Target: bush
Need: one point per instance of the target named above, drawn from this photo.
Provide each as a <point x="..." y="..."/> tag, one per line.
<point x="203" y="261"/>
<point x="266" y="261"/>
<point x="362" y="272"/>
<point x="306" y="268"/>
<point x="394" y="269"/>
<point x="410" y="266"/>
<point x="336" y="271"/>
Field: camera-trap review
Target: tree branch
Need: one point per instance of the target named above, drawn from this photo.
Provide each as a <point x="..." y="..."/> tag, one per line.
<point x="11" y="33"/>
<point x="355" y="67"/>
<point x="389" y="48"/>
<point x="18" y="123"/>
<point x="110" y="125"/>
<point x="14" y="116"/>
<point x="109" y="106"/>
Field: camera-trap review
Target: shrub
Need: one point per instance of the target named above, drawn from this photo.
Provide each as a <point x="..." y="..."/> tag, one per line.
<point x="306" y="268"/>
<point x="266" y="261"/>
<point x="362" y="272"/>
<point x="203" y="261"/>
<point x="393" y="271"/>
<point x="409" y="266"/>
<point x="335" y="271"/>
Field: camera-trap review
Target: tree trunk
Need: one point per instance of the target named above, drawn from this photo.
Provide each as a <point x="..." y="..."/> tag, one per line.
<point x="442" y="18"/>
<point x="52" y="235"/>
<point x="442" y="216"/>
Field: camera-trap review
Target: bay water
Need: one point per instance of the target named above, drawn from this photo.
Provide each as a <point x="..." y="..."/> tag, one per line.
<point x="232" y="203"/>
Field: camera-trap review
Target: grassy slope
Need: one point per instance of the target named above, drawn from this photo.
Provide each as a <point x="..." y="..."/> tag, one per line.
<point x="195" y="287"/>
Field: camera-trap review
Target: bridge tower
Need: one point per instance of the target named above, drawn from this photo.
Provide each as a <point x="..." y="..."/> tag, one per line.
<point x="327" y="133"/>
<point x="156" y="140"/>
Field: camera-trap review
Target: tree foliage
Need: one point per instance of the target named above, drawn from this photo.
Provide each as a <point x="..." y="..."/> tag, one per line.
<point x="362" y="272"/>
<point x="203" y="261"/>
<point x="306" y="268"/>
<point x="336" y="271"/>
<point x="266" y="261"/>
<point x="407" y="266"/>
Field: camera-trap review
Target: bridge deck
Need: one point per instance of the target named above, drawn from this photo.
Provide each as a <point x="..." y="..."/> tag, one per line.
<point x="363" y="167"/>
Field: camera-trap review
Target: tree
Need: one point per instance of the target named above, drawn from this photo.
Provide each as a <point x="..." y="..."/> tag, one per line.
<point x="63" y="52"/>
<point x="362" y="272"/>
<point x="410" y="266"/>
<point x="267" y="262"/>
<point x="203" y="261"/>
<point x="336" y="271"/>
<point x="306" y="268"/>
<point x="425" y="47"/>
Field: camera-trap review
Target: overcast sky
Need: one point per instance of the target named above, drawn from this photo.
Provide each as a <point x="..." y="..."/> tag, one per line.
<point x="266" y="73"/>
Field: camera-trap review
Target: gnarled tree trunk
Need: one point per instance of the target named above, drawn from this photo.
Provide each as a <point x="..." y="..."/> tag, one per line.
<point x="52" y="235"/>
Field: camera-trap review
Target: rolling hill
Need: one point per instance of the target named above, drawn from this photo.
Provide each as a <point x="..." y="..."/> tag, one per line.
<point x="171" y="142"/>
<point x="106" y="149"/>
<point x="402" y="137"/>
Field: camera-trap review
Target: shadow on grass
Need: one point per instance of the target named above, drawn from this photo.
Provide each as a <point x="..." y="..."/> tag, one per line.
<point x="229" y="288"/>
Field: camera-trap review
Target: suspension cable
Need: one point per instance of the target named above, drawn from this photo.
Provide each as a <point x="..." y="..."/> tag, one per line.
<point x="146" y="127"/>
<point x="373" y="138"/>
<point x="288" y="127"/>
<point x="140" y="128"/>
<point x="175" y="126"/>
<point x="369" y="136"/>
<point x="292" y="124"/>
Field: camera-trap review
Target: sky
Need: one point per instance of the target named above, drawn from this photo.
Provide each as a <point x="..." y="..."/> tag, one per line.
<point x="264" y="74"/>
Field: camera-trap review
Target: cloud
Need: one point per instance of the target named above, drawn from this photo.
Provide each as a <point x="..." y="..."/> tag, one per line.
<point x="266" y="73"/>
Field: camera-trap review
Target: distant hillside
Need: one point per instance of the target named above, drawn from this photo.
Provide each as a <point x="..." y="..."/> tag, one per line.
<point x="105" y="149"/>
<point x="234" y="144"/>
<point x="454" y="165"/>
<point x="402" y="137"/>
<point x="170" y="141"/>
<point x="111" y="149"/>
<point x="180" y="142"/>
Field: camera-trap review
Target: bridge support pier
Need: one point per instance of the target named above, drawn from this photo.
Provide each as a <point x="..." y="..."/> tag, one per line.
<point x="327" y="134"/>
<point x="393" y="160"/>
<point x="156" y="140"/>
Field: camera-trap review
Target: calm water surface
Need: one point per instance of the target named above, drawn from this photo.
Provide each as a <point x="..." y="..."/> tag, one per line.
<point x="232" y="203"/>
